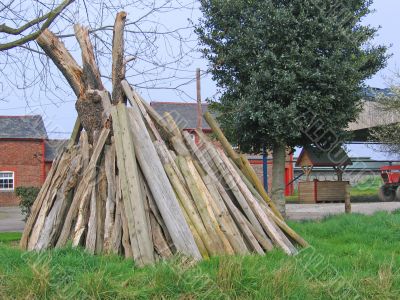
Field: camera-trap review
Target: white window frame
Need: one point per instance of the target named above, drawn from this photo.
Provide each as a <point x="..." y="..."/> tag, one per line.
<point x="13" y="181"/>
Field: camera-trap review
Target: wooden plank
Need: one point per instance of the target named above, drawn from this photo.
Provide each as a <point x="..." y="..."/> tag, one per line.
<point x="101" y="190"/>
<point x="224" y="218"/>
<point x="90" y="244"/>
<point x="115" y="241"/>
<point x="141" y="241"/>
<point x="127" y="245"/>
<point x="204" y="210"/>
<point x="55" y="217"/>
<point x="37" y="204"/>
<point x="221" y="138"/>
<point x="109" y="154"/>
<point x="158" y="183"/>
<point x="252" y="176"/>
<point x="284" y="227"/>
<point x="208" y="201"/>
<point x="83" y="189"/>
<point x="49" y="197"/>
<point x="273" y="231"/>
<point x="191" y="213"/>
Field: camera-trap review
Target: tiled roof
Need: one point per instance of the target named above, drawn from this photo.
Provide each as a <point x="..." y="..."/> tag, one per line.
<point x="53" y="147"/>
<point x="321" y="158"/>
<point x="184" y="114"/>
<point x="22" y="127"/>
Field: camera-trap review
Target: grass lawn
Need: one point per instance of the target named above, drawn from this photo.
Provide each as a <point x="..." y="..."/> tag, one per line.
<point x="352" y="256"/>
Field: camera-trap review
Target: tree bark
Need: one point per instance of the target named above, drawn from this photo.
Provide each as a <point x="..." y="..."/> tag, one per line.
<point x="278" y="177"/>
<point x="118" y="65"/>
<point x="64" y="61"/>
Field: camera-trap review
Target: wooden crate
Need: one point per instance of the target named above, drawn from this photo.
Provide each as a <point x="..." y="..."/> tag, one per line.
<point x="322" y="191"/>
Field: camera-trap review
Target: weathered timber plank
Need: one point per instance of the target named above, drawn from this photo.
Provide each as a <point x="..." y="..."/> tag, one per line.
<point x="83" y="188"/>
<point x="158" y="183"/>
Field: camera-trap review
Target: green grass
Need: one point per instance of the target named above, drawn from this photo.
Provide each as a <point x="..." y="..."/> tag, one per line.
<point x="351" y="256"/>
<point x="7" y="237"/>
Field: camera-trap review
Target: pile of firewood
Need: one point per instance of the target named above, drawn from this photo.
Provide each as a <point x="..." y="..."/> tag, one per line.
<point x="137" y="186"/>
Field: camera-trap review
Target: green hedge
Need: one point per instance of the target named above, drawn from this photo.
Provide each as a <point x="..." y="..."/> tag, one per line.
<point x="27" y="196"/>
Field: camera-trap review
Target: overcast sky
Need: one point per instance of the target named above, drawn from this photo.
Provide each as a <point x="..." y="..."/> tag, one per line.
<point x="59" y="118"/>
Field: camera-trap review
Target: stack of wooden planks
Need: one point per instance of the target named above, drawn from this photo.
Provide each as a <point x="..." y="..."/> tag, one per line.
<point x="148" y="191"/>
<point x="134" y="184"/>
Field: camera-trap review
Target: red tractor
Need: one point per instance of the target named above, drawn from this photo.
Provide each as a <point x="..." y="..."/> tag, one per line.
<point x="390" y="190"/>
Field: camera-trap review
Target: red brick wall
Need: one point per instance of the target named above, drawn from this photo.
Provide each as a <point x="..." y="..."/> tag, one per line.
<point x="24" y="158"/>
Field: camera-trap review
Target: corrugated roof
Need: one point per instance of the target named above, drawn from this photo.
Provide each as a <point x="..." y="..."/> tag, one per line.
<point x="53" y="147"/>
<point x="184" y="114"/>
<point x="22" y="127"/>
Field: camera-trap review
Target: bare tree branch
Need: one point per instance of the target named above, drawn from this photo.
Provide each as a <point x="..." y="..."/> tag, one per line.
<point x="49" y="17"/>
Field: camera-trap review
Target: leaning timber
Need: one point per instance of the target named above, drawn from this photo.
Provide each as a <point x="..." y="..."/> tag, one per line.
<point x="132" y="183"/>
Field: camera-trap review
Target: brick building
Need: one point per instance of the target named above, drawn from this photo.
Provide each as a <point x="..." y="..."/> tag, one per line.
<point x="26" y="155"/>
<point x="185" y="115"/>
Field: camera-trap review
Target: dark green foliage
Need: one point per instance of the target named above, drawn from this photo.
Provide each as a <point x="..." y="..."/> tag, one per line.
<point x="352" y="257"/>
<point x="27" y="196"/>
<point x="283" y="65"/>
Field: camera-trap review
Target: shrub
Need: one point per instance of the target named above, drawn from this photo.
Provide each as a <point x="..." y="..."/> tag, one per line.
<point x="27" y="196"/>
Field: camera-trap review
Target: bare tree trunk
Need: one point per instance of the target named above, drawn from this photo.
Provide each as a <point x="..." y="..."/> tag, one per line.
<point x="278" y="177"/>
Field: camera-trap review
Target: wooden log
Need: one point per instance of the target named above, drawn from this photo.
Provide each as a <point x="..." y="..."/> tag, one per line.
<point x="36" y="207"/>
<point x="56" y="215"/>
<point x="234" y="212"/>
<point x="91" y="73"/>
<point x="127" y="245"/>
<point x="156" y="213"/>
<point x="141" y="241"/>
<point x="109" y="154"/>
<point x="240" y="161"/>
<point x="160" y="243"/>
<point x="148" y="113"/>
<point x="172" y="126"/>
<point x="258" y="185"/>
<point x="161" y="148"/>
<point x="118" y="65"/>
<point x="64" y="61"/>
<point x="206" y="246"/>
<point x="284" y="227"/>
<point x="221" y="138"/>
<point x="159" y="185"/>
<point x="90" y="244"/>
<point x="203" y="207"/>
<point x="101" y="190"/>
<point x="241" y="222"/>
<point x="264" y="242"/>
<point x="214" y="210"/>
<point x="115" y="241"/>
<point x="50" y="196"/>
<point x="83" y="188"/>
<point x="273" y="231"/>
<point x="76" y="131"/>
<point x="83" y="211"/>
<point x="224" y="219"/>
<point x="229" y="180"/>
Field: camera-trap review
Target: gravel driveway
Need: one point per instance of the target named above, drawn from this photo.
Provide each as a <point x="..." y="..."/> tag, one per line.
<point x="11" y="218"/>
<point x="319" y="211"/>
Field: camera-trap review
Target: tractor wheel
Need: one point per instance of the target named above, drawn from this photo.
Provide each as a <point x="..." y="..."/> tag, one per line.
<point x="386" y="193"/>
<point x="398" y="193"/>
